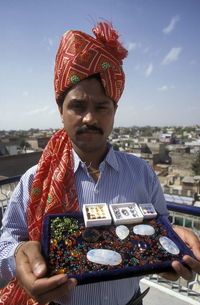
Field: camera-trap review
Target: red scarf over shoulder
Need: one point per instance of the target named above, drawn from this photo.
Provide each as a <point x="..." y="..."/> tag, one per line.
<point x="53" y="191"/>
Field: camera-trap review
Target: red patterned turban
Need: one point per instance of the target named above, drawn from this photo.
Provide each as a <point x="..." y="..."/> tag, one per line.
<point x="80" y="55"/>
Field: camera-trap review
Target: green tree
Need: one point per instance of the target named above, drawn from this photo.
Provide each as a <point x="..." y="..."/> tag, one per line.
<point x="146" y="131"/>
<point x="24" y="144"/>
<point x="115" y="146"/>
<point x="196" y="164"/>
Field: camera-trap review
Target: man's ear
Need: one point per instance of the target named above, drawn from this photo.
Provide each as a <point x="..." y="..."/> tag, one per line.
<point x="61" y="112"/>
<point x="60" y="109"/>
<point x="115" y="106"/>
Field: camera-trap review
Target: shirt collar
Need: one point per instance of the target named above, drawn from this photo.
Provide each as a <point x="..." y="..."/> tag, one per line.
<point x="77" y="160"/>
<point x="110" y="159"/>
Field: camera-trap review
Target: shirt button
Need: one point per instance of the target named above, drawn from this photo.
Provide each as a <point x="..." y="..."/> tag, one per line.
<point x="96" y="191"/>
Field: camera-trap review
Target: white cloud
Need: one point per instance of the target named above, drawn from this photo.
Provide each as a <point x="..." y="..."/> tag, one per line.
<point x="149" y="70"/>
<point x="171" y="25"/>
<point x="193" y="62"/>
<point x="133" y="45"/>
<point x="38" y="110"/>
<point x="25" y="93"/>
<point x="163" y="88"/>
<point x="146" y="50"/>
<point x="52" y="111"/>
<point x="149" y="107"/>
<point x="137" y="67"/>
<point x="173" y="55"/>
<point x="50" y="42"/>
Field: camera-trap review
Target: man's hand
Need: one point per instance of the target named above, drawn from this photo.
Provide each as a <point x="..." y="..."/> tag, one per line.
<point x="31" y="270"/>
<point x="192" y="241"/>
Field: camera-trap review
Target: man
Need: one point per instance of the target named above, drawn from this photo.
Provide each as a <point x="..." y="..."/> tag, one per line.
<point x="78" y="166"/>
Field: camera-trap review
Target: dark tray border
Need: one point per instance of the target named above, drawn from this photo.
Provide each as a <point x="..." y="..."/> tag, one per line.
<point x="98" y="276"/>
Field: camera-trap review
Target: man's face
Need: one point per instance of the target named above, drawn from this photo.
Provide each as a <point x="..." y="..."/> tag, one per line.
<point x="88" y="115"/>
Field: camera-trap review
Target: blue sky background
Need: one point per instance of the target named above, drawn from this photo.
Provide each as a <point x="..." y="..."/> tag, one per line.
<point x="162" y="68"/>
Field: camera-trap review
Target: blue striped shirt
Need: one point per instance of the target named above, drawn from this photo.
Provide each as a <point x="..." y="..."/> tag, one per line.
<point x="123" y="178"/>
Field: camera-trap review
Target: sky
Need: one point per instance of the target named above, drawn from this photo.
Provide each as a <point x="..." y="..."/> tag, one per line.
<point x="162" y="68"/>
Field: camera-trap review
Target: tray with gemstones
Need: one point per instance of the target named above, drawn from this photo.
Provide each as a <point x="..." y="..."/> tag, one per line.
<point x="92" y="254"/>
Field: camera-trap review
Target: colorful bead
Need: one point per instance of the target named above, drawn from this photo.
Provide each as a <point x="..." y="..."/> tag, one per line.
<point x="60" y="271"/>
<point x="74" y="253"/>
<point x="68" y="242"/>
<point x="91" y="235"/>
<point x="53" y="243"/>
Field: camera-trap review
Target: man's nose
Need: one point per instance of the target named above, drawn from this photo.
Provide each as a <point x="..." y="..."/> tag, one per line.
<point x="89" y="118"/>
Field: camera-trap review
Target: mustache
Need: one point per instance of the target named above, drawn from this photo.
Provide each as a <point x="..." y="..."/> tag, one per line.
<point x="86" y="128"/>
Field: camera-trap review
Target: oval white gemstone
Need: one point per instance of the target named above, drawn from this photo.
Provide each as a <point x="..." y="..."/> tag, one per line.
<point x="169" y="245"/>
<point x="104" y="257"/>
<point x="143" y="230"/>
<point x="122" y="232"/>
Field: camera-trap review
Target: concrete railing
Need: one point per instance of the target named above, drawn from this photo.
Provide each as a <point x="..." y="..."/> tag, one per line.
<point x="186" y="216"/>
<point x="7" y="186"/>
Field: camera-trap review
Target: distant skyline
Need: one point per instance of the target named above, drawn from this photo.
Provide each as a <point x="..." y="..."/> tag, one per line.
<point x="162" y="68"/>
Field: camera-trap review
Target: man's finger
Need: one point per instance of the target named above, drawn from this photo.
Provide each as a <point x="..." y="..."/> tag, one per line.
<point x="42" y="289"/>
<point x="170" y="276"/>
<point x="43" y="286"/>
<point x="30" y="253"/>
<point x="31" y="283"/>
<point x="54" y="294"/>
<point x="182" y="270"/>
<point x="192" y="263"/>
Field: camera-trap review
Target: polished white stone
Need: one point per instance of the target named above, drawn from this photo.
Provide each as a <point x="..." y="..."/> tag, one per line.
<point x="169" y="245"/>
<point x="143" y="230"/>
<point x="122" y="231"/>
<point x="104" y="257"/>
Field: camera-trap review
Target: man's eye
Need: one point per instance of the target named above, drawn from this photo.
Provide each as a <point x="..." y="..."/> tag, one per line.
<point x="102" y="107"/>
<point x="77" y="107"/>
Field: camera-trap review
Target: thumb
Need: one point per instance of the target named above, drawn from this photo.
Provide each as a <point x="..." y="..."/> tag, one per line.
<point x="32" y="251"/>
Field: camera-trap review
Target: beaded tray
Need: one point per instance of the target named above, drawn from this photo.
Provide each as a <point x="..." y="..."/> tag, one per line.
<point x="66" y="242"/>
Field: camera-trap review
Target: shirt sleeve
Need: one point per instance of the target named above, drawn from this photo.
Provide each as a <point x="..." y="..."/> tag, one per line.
<point x="14" y="226"/>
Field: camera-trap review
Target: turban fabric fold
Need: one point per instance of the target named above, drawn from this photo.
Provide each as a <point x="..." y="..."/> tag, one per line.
<point x="80" y="56"/>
